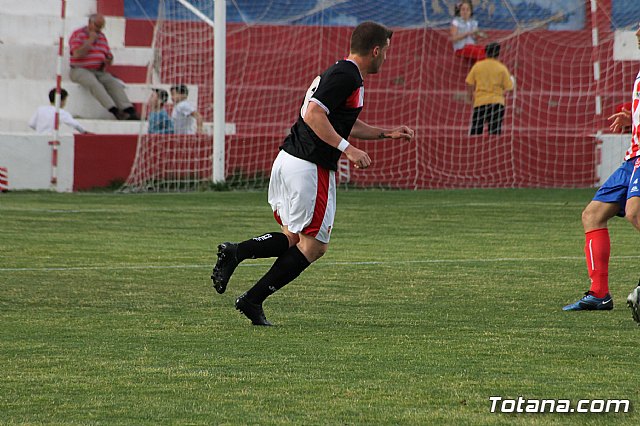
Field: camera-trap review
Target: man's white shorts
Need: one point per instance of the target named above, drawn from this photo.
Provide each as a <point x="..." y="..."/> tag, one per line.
<point x="303" y="196"/>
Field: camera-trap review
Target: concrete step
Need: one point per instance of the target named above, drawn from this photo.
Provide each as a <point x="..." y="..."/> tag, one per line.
<point x="45" y="29"/>
<point x="114" y="127"/>
<point x="33" y="93"/>
<point x="106" y="127"/>
<point x="101" y="127"/>
<point x="129" y="73"/>
<point x="38" y="62"/>
<point x="47" y="7"/>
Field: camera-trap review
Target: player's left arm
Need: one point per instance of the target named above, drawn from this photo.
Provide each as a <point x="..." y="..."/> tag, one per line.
<point x="362" y="130"/>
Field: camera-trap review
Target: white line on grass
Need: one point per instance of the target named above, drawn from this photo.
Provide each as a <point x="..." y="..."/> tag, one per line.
<point x="364" y="263"/>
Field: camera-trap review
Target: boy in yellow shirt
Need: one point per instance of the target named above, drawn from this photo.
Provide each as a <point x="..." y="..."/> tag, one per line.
<point x="486" y="83"/>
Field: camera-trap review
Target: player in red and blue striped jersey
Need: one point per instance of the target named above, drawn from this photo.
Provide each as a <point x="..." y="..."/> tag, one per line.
<point x="618" y="196"/>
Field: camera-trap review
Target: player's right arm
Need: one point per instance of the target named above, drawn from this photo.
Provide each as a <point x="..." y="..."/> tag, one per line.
<point x="471" y="90"/>
<point x="316" y="118"/>
<point x="620" y="120"/>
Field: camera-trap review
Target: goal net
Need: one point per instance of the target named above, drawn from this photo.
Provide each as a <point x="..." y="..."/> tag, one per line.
<point x="561" y="54"/>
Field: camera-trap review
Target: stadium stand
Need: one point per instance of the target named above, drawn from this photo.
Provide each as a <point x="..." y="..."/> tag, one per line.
<point x="29" y="32"/>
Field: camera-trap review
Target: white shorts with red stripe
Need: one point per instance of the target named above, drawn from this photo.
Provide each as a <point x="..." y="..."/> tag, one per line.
<point x="303" y="196"/>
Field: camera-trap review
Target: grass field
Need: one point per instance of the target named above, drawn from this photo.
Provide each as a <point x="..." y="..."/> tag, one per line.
<point x="426" y="304"/>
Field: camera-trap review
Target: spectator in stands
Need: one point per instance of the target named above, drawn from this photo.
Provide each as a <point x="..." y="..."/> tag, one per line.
<point x="186" y="120"/>
<point x="43" y="121"/>
<point x="90" y="54"/>
<point x="486" y="83"/>
<point x="159" y="120"/>
<point x="463" y="31"/>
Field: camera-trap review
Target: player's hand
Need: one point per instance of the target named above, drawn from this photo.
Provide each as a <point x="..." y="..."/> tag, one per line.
<point x="402" y="132"/>
<point x="358" y="157"/>
<point x="620" y="120"/>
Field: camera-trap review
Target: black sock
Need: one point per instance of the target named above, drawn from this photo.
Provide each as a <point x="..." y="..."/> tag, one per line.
<point x="133" y="115"/>
<point x="114" y="111"/>
<point x="268" y="245"/>
<point x="285" y="269"/>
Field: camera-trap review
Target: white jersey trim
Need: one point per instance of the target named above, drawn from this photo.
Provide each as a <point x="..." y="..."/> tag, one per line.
<point x="320" y="104"/>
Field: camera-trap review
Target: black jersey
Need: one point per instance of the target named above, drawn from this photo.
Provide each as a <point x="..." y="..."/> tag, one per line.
<point x="340" y="92"/>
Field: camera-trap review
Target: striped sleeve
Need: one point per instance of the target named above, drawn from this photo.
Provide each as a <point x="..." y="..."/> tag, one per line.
<point x="96" y="56"/>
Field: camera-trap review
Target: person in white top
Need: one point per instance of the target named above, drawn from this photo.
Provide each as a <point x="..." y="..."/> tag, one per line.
<point x="463" y="31"/>
<point x="43" y="120"/>
<point x="186" y="120"/>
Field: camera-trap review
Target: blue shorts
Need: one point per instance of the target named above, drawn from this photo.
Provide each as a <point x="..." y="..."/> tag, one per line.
<point x="623" y="184"/>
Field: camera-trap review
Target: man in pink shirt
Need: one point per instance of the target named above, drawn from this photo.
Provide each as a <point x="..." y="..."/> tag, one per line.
<point x="90" y="54"/>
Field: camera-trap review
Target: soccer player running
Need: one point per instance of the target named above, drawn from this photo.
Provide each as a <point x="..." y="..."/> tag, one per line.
<point x="619" y="196"/>
<point x="302" y="188"/>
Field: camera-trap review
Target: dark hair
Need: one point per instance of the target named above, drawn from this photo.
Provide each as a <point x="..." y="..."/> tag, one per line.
<point x="492" y="50"/>
<point x="163" y="96"/>
<point x="368" y="35"/>
<point x="52" y="95"/>
<point x="456" y="11"/>
<point x="180" y="88"/>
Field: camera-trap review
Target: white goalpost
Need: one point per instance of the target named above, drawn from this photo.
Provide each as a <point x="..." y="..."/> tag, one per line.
<point x="186" y="53"/>
<point x="219" y="105"/>
<point x="219" y="60"/>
